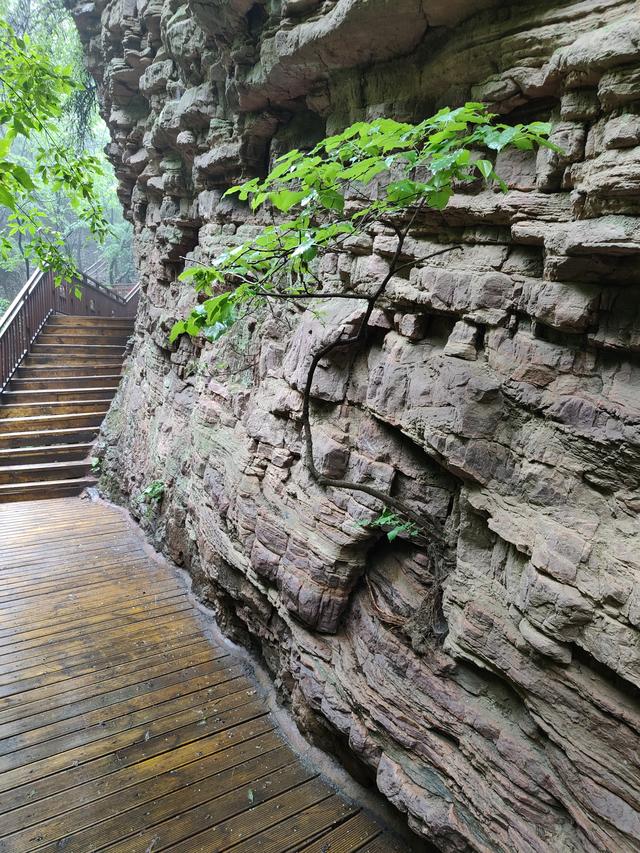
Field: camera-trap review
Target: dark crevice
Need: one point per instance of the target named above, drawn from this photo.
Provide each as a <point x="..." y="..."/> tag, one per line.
<point x="256" y="18"/>
<point x="628" y="690"/>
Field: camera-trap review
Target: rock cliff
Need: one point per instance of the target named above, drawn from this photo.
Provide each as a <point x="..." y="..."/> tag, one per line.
<point x="500" y="391"/>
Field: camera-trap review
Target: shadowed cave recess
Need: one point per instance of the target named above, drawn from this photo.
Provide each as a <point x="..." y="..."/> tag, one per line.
<point x="499" y="392"/>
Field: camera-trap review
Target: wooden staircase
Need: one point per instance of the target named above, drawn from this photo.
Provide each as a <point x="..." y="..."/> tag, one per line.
<point x="52" y="408"/>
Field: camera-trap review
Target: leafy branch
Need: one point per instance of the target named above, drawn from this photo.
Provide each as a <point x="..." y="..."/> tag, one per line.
<point x="380" y="173"/>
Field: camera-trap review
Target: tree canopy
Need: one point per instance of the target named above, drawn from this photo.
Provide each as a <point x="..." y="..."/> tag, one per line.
<point x="33" y="90"/>
<point x="58" y="200"/>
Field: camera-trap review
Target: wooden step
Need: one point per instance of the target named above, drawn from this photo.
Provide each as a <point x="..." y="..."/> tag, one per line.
<point x="48" y="336"/>
<point x="45" y="489"/>
<point x="60" y="371"/>
<point x="78" y="434"/>
<point x="39" y="455"/>
<point x="91" y="320"/>
<point x="39" y="423"/>
<point x="55" y="394"/>
<point x="81" y="350"/>
<point x="65" y="383"/>
<point x="74" y="361"/>
<point x="52" y="407"/>
<point x="60" y="383"/>
<point x="41" y="471"/>
<point x="65" y="321"/>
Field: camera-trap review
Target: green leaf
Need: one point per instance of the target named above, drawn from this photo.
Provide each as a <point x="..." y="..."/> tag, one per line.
<point x="439" y="199"/>
<point x="194" y="324"/>
<point x="177" y="329"/>
<point x="506" y="136"/>
<point x="258" y="200"/>
<point x="485" y="167"/>
<point x="404" y="191"/>
<point x="23" y="177"/>
<point x="331" y="199"/>
<point x="523" y="143"/>
<point x="213" y="333"/>
<point x="7" y="199"/>
<point x="393" y="534"/>
<point x="284" y="200"/>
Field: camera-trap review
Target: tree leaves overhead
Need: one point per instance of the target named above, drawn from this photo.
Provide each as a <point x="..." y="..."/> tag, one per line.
<point x="33" y="93"/>
<point x="372" y="172"/>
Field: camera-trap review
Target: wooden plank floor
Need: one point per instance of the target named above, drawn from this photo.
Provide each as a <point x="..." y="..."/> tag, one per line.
<point x="122" y="727"/>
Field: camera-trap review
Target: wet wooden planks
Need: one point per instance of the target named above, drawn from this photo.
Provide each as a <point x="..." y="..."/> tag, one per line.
<point x="122" y="727"/>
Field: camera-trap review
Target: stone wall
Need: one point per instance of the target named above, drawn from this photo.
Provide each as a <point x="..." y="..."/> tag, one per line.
<point x="499" y="391"/>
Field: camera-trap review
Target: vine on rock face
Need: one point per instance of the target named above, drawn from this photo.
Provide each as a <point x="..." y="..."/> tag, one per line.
<point x="379" y="173"/>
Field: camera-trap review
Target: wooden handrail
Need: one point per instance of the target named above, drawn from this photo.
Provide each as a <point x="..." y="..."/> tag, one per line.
<point x="133" y="294"/>
<point x="96" y="285"/>
<point x="22" y="321"/>
<point x="20" y="298"/>
<point x="39" y="298"/>
<point x="95" y="300"/>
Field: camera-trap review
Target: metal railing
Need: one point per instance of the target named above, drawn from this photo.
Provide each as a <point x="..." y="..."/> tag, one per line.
<point x="39" y="298"/>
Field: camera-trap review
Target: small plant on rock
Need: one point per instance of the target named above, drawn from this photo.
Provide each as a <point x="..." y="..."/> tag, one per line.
<point x="191" y="368"/>
<point x="393" y="524"/>
<point x="153" y="493"/>
<point x="151" y="496"/>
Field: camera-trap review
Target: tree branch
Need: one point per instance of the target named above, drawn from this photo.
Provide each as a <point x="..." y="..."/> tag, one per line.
<point x="428" y="526"/>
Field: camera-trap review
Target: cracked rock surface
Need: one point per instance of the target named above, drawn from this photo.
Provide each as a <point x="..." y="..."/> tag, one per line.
<point x="499" y="391"/>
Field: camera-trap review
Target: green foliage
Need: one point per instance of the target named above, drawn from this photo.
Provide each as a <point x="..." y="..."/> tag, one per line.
<point x="96" y="465"/>
<point x="396" y="525"/>
<point x="213" y="318"/>
<point x="153" y="493"/>
<point x="33" y="94"/>
<point x="151" y="497"/>
<point x="50" y="28"/>
<point x="4" y="304"/>
<point x="371" y="172"/>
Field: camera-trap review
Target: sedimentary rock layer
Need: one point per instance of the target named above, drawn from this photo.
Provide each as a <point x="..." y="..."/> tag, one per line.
<point x="499" y="391"/>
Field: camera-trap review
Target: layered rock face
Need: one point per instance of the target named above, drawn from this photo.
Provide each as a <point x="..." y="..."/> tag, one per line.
<point x="499" y="392"/>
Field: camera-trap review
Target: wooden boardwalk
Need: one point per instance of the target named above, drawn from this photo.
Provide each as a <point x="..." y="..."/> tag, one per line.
<point x="122" y="726"/>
